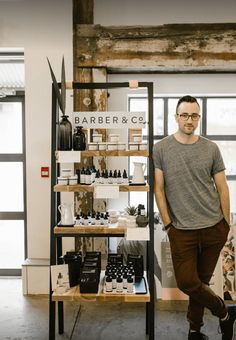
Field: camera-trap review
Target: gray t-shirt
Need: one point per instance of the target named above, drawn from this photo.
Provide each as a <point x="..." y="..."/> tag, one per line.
<point x="192" y="198"/>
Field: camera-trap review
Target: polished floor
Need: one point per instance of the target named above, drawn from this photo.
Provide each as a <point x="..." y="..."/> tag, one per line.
<point x="26" y="318"/>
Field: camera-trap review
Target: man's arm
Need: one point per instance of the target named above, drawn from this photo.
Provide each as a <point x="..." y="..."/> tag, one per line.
<point x="223" y="190"/>
<point x="160" y="197"/>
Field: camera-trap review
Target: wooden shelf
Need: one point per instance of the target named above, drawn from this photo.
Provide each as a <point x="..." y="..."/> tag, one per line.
<point x="74" y="295"/>
<point x="89" y="229"/>
<point x="115" y="153"/>
<point x="90" y="188"/>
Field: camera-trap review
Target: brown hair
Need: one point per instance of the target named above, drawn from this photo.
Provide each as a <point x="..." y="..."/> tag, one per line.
<point x="186" y="99"/>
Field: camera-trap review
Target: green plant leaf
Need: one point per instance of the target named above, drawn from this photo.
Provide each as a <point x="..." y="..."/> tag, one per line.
<point x="56" y="87"/>
<point x="63" y="86"/>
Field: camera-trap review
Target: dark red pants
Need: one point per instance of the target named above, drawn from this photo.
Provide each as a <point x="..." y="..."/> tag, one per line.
<point x="195" y="254"/>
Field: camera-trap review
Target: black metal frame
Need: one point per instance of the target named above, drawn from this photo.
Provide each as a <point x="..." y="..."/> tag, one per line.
<point x="56" y="240"/>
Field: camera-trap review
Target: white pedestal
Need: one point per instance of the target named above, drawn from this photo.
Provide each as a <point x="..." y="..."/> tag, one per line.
<point x="35" y="276"/>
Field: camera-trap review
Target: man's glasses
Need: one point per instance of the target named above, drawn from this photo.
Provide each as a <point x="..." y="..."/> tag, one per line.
<point x="185" y="116"/>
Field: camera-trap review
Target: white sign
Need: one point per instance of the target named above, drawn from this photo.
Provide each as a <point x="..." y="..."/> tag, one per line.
<point x="106" y="191"/>
<point x="138" y="234"/>
<point x="106" y="120"/>
<point x="68" y="156"/>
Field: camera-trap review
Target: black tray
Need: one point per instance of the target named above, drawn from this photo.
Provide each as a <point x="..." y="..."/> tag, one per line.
<point x="137" y="184"/>
<point x="65" y="225"/>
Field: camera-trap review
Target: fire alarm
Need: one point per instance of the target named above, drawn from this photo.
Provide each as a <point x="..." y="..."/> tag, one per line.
<point x="45" y="171"/>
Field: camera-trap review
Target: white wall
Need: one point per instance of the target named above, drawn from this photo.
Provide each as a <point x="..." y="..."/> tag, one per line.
<point x="158" y="12"/>
<point x="43" y="28"/>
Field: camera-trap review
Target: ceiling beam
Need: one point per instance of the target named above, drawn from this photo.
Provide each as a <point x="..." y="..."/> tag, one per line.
<point x="166" y="48"/>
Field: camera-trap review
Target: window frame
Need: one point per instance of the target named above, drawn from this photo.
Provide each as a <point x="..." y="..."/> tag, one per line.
<point x="203" y="131"/>
<point x="19" y="157"/>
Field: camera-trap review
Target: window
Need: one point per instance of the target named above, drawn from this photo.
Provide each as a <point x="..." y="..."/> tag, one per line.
<point x="12" y="184"/>
<point x="217" y="123"/>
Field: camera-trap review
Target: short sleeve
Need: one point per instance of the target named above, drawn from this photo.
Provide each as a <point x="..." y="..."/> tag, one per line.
<point x="218" y="163"/>
<point x="157" y="156"/>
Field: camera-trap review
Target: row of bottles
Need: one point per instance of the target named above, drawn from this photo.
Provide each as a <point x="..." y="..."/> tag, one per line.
<point x="92" y="218"/>
<point x="91" y="175"/>
<point x="119" y="278"/>
<point x="67" y="141"/>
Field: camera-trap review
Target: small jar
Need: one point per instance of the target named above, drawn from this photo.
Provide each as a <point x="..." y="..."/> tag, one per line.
<point x="125" y="277"/>
<point x="114" y="281"/>
<point x="93" y="146"/>
<point x="62" y="180"/>
<point x="130" y="284"/>
<point x="142" y="146"/>
<point x="114" y="137"/>
<point x="108" y="284"/>
<point x="137" y="138"/>
<point x="119" y="284"/>
<point x="121" y="146"/>
<point x="111" y="146"/>
<point x="133" y="146"/>
<point x="102" y="146"/>
<point x="73" y="180"/>
<point x="97" y="137"/>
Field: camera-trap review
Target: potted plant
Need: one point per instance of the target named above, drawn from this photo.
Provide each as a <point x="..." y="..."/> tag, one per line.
<point x="131" y="211"/>
<point x="65" y="127"/>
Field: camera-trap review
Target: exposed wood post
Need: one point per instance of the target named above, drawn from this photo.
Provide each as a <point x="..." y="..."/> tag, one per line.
<point x="88" y="100"/>
<point x="83" y="11"/>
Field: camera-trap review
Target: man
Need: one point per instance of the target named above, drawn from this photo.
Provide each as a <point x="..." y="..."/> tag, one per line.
<point x="193" y="199"/>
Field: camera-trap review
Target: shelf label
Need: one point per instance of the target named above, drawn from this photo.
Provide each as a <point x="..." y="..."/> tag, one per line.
<point x="106" y="191"/>
<point x="138" y="234"/>
<point x="68" y="156"/>
<point x="106" y="120"/>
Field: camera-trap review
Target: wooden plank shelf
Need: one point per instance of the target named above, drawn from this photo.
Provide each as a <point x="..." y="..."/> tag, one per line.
<point x="74" y="295"/>
<point x="90" y="229"/>
<point x="114" y="153"/>
<point x="90" y="188"/>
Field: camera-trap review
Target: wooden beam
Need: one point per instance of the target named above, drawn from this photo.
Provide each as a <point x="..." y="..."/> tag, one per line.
<point x="83" y="11"/>
<point x="166" y="48"/>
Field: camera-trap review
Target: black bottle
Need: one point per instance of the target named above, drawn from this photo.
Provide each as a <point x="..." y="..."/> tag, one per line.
<point x="79" y="139"/>
<point x="64" y="134"/>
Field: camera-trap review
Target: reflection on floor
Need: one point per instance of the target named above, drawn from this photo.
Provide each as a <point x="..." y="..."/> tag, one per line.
<point x="26" y="318"/>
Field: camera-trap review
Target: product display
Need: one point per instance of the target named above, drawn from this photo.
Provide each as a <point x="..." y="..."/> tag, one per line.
<point x="138" y="174"/>
<point x="141" y="219"/>
<point x="124" y="279"/>
<point x="64" y="134"/>
<point x="67" y="214"/>
<point x="74" y="261"/>
<point x="79" y="139"/>
<point x="120" y="278"/>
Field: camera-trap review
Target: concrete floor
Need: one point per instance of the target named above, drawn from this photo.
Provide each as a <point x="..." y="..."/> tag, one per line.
<point x="26" y="318"/>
